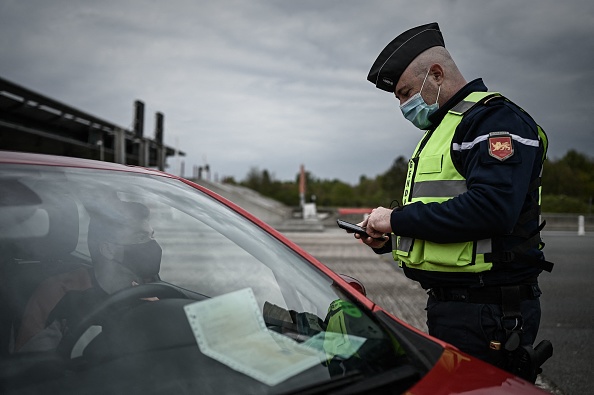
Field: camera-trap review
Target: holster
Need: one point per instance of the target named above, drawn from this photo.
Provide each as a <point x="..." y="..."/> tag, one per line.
<point x="523" y="361"/>
<point x="526" y="361"/>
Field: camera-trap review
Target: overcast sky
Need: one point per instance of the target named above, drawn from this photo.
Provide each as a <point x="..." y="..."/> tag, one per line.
<point x="272" y="84"/>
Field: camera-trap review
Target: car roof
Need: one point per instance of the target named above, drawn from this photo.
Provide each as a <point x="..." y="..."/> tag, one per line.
<point x="29" y="158"/>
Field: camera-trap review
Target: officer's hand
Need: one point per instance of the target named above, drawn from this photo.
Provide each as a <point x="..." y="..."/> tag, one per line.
<point x="378" y="222"/>
<point x="371" y="242"/>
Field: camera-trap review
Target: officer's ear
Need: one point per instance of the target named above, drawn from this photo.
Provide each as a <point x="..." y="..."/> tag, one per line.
<point x="436" y="73"/>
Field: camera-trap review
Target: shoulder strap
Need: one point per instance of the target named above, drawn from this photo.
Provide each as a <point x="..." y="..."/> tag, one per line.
<point x="472" y="100"/>
<point x="477" y="98"/>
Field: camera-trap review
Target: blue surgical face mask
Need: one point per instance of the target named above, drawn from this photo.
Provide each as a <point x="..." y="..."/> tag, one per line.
<point x="417" y="110"/>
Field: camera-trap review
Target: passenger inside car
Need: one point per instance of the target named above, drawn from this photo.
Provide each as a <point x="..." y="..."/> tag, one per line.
<point x="39" y="229"/>
<point x="124" y="253"/>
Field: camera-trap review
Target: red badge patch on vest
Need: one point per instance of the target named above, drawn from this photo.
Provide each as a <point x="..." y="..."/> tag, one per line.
<point x="500" y="145"/>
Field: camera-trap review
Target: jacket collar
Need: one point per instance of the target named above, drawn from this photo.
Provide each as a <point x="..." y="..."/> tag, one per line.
<point x="476" y="85"/>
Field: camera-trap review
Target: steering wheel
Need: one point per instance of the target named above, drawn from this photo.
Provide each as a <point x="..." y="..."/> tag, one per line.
<point x="118" y="300"/>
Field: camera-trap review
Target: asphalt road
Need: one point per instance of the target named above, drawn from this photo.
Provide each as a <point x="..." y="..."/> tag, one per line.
<point x="568" y="311"/>
<point x="567" y="303"/>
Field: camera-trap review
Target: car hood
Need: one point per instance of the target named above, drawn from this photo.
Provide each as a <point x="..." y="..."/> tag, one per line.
<point x="459" y="373"/>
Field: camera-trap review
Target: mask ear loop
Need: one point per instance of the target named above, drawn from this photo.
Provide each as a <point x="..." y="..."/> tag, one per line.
<point x="423" y="84"/>
<point x="438" y="90"/>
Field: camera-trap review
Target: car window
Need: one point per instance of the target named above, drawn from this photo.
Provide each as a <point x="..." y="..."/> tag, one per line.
<point x="206" y="247"/>
<point x="197" y="257"/>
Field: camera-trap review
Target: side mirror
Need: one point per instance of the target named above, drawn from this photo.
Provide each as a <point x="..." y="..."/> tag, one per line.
<point x="356" y="284"/>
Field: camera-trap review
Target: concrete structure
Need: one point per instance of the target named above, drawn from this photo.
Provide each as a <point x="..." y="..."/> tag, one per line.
<point x="32" y="122"/>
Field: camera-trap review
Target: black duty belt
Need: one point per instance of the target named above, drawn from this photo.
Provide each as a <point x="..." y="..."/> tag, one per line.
<point x="483" y="295"/>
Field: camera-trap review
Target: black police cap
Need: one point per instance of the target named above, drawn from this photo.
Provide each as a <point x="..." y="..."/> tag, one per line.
<point x="395" y="58"/>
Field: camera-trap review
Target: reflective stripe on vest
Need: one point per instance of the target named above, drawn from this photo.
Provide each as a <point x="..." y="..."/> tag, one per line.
<point x="446" y="188"/>
<point x="432" y="177"/>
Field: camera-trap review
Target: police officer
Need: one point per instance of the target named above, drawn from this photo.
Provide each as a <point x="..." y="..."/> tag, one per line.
<point x="468" y="229"/>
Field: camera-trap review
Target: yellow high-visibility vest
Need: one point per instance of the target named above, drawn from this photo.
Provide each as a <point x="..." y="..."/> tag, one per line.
<point x="432" y="177"/>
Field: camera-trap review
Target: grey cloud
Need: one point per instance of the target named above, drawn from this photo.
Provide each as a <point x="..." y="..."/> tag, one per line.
<point x="277" y="84"/>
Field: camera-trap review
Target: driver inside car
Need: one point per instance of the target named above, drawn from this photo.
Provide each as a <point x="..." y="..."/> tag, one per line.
<point x="124" y="253"/>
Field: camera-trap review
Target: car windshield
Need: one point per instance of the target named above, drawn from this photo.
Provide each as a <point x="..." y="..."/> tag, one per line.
<point x="112" y="280"/>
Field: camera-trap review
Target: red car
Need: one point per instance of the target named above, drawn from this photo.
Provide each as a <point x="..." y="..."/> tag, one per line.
<point x="118" y="279"/>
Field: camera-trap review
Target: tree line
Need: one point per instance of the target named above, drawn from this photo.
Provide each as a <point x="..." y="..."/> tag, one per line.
<point x="568" y="186"/>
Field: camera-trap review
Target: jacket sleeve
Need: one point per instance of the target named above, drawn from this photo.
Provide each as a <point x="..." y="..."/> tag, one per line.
<point x="496" y="189"/>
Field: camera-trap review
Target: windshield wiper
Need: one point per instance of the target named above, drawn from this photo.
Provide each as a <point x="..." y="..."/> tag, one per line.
<point x="334" y="383"/>
<point x="394" y="381"/>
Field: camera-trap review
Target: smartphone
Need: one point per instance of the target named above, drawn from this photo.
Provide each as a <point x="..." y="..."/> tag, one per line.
<point x="352" y="228"/>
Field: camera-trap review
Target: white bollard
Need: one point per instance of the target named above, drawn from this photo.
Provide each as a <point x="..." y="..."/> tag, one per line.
<point x="310" y="211"/>
<point x="581" y="226"/>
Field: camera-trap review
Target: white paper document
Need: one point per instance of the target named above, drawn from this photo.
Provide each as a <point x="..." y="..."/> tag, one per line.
<point x="230" y="329"/>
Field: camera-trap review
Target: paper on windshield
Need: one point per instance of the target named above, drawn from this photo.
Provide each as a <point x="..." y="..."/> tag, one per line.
<point x="230" y="329"/>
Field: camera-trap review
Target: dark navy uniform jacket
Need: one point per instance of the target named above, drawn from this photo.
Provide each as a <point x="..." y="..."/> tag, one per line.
<point x="498" y="193"/>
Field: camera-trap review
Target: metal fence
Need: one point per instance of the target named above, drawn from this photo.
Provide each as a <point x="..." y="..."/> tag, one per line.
<point x="569" y="222"/>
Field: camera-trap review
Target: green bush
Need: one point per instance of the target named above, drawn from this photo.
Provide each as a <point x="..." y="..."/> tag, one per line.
<point x="568" y="186"/>
<point x="563" y="204"/>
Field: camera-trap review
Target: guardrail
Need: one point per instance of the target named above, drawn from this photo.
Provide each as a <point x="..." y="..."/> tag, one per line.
<point x="579" y="223"/>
